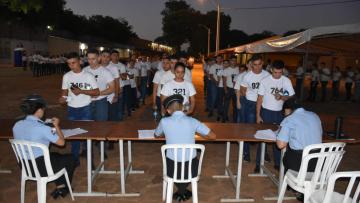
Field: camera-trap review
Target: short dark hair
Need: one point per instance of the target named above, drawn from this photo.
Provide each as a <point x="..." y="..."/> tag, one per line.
<point x="292" y="103"/>
<point x="92" y="51"/>
<point x="233" y="57"/>
<point x="72" y="55"/>
<point x="278" y="64"/>
<point x="105" y="51"/>
<point x="255" y="57"/>
<point x="114" y="51"/>
<point x="180" y="64"/>
<point x="32" y="103"/>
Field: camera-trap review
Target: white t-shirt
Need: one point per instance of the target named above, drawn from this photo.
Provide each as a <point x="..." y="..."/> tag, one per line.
<point x="219" y="75"/>
<point x="269" y="86"/>
<point x="238" y="80"/>
<point x="188" y="75"/>
<point x="121" y="69"/>
<point x="336" y="76"/>
<point x="214" y="70"/>
<point x="325" y="74"/>
<point x="84" y="81"/>
<point x="185" y="88"/>
<point x="143" y="68"/>
<point x="230" y="73"/>
<point x="135" y="72"/>
<point x="115" y="73"/>
<point x="252" y="82"/>
<point x="315" y="75"/>
<point x="103" y="77"/>
<point x="349" y="76"/>
<point x="300" y="72"/>
<point x="166" y="77"/>
<point x="160" y="66"/>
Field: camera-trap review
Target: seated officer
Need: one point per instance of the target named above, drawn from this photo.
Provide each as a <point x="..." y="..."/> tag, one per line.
<point x="33" y="129"/>
<point x="179" y="128"/>
<point x="299" y="129"/>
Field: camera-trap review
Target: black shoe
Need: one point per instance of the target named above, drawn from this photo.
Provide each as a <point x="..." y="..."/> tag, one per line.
<point x="188" y="194"/>
<point x="60" y="192"/>
<point x="247" y="158"/>
<point x="210" y="114"/>
<point x="257" y="169"/>
<point x="218" y="118"/>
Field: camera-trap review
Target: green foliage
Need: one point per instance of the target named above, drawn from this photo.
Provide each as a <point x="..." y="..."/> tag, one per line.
<point x="21" y="5"/>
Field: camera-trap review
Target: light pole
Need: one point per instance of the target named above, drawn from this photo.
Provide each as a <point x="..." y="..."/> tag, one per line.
<point x="208" y="39"/>
<point x="217" y="28"/>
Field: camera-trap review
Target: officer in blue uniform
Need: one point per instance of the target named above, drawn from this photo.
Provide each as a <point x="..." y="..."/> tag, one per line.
<point x="33" y="129"/>
<point x="179" y="128"/>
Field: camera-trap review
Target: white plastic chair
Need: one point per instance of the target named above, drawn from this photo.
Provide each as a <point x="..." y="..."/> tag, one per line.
<point x="330" y="196"/>
<point x="168" y="183"/>
<point x="24" y="155"/>
<point x="328" y="157"/>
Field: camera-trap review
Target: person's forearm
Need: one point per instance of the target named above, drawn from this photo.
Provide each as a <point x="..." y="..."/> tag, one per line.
<point x="155" y="86"/>
<point x="94" y="92"/>
<point x="117" y="87"/>
<point x="258" y="106"/>
<point x="61" y="140"/>
<point x="107" y="91"/>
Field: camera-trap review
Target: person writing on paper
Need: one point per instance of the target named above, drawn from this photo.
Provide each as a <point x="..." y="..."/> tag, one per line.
<point x="33" y="129"/>
<point x="299" y="129"/>
<point x="179" y="128"/>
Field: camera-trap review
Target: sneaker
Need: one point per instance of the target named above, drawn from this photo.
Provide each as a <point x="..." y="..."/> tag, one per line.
<point x="247" y="158"/>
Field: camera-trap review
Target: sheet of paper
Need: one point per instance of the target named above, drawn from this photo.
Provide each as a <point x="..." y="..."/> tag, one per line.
<point x="72" y="132"/>
<point x="146" y="134"/>
<point x="265" y="135"/>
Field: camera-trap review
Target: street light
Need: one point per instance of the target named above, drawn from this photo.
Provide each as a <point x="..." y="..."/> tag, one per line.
<point x="217" y="43"/>
<point x="209" y="32"/>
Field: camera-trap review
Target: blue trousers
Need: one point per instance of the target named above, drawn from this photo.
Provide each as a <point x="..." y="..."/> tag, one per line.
<point x="78" y="114"/>
<point x="270" y="117"/>
<point x="240" y="115"/>
<point x="230" y="97"/>
<point x="220" y="101"/>
<point x="250" y="117"/>
<point x="100" y="109"/>
<point x="213" y="91"/>
<point x="143" y="86"/>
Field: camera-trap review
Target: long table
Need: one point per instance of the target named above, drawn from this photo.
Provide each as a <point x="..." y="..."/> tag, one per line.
<point x="128" y="131"/>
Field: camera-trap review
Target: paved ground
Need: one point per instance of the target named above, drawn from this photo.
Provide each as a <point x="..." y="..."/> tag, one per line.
<point x="15" y="84"/>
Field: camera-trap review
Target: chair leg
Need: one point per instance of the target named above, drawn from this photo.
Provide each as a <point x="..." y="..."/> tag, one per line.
<point x="194" y="191"/>
<point x="164" y="190"/>
<point x="22" y="193"/>
<point x="41" y="191"/>
<point x="282" y="191"/>
<point x="69" y="185"/>
<point x="169" y="192"/>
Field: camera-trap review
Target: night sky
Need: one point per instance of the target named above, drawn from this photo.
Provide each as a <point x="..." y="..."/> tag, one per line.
<point x="145" y="17"/>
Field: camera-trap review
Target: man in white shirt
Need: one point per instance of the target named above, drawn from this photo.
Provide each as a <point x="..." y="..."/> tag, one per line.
<point x="240" y="99"/>
<point x="78" y="87"/>
<point x="160" y="78"/>
<point x="314" y="83"/>
<point x="112" y="98"/>
<point x="144" y="69"/>
<point x="349" y="80"/>
<point x="133" y="74"/>
<point x="336" y="77"/>
<point x="214" y="73"/>
<point x="188" y="72"/>
<point x="122" y="76"/>
<point x="106" y="84"/>
<point x="324" y="78"/>
<point x="229" y="75"/>
<point x="249" y="87"/>
<point x="299" y="78"/>
<point x="180" y="86"/>
<point x="210" y="62"/>
<point x="273" y="91"/>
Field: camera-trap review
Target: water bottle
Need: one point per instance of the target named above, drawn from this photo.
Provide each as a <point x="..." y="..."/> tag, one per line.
<point x="155" y="114"/>
<point x="338" y="127"/>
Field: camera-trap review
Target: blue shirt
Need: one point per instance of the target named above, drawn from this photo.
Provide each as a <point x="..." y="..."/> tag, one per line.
<point x="180" y="129"/>
<point x="300" y="129"/>
<point x="33" y="129"/>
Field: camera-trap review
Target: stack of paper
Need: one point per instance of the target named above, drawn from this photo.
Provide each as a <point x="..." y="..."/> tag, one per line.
<point x="146" y="134"/>
<point x="72" y="132"/>
<point x="265" y="135"/>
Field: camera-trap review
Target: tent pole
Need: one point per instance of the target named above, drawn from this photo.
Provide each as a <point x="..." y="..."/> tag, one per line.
<point x="305" y="64"/>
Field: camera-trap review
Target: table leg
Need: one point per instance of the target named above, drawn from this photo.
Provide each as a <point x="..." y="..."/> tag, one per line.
<point x="130" y="166"/>
<point x="281" y="178"/>
<point x="227" y="160"/>
<point x="264" y="172"/>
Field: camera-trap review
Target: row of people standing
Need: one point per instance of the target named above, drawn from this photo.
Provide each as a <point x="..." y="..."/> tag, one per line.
<point x="42" y="65"/>
<point x="324" y="76"/>
<point x="257" y="95"/>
